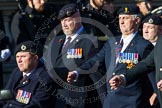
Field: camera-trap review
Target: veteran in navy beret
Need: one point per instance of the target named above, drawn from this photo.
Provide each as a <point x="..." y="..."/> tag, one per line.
<point x="69" y="51"/>
<point x="25" y="82"/>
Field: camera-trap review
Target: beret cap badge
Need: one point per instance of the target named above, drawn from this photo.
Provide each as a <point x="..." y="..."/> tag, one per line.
<point x="23" y="47"/>
<point x="126" y="10"/>
<point x="150" y="21"/>
<point x="68" y="13"/>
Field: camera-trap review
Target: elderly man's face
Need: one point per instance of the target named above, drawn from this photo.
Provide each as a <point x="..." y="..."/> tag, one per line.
<point x="25" y="61"/>
<point x="150" y="32"/>
<point x="127" y="24"/>
<point x="39" y="4"/>
<point x="68" y="25"/>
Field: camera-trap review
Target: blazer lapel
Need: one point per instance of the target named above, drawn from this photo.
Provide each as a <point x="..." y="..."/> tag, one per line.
<point x="112" y="65"/>
<point x="34" y="76"/>
<point x="57" y="46"/>
<point x="18" y="78"/>
<point x="115" y="53"/>
<point x="22" y="83"/>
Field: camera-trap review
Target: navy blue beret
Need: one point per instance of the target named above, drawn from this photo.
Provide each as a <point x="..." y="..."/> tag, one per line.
<point x="129" y="10"/>
<point x="67" y="11"/>
<point x="142" y="0"/>
<point x="29" y="46"/>
<point x="153" y="19"/>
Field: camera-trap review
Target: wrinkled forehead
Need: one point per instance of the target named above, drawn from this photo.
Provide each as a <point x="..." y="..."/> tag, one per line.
<point x="38" y="1"/>
<point x="151" y="25"/>
<point x="67" y="19"/>
<point x="124" y="15"/>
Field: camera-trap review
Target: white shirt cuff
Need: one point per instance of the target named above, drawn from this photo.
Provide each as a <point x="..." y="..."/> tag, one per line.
<point x="124" y="79"/>
<point x="77" y="75"/>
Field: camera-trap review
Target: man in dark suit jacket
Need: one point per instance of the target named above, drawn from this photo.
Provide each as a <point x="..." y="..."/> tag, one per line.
<point x="68" y="52"/>
<point x="117" y="59"/>
<point x="29" y="83"/>
<point x="34" y="21"/>
<point x="152" y="62"/>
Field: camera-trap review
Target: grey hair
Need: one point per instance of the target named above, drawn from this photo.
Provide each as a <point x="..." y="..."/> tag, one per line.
<point x="135" y="16"/>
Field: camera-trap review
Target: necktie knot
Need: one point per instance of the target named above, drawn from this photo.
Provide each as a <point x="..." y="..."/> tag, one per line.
<point x="67" y="42"/>
<point x="69" y="38"/>
<point x="23" y="78"/>
<point x="121" y="43"/>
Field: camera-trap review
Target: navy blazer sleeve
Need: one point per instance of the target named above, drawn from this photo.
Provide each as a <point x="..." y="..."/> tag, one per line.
<point x="93" y="63"/>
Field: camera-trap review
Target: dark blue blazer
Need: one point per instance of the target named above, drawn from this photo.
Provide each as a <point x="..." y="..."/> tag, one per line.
<point x="37" y="83"/>
<point x="132" y="96"/>
<point x="59" y="65"/>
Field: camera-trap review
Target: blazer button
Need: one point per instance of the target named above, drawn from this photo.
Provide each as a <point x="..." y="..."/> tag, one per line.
<point x="10" y="105"/>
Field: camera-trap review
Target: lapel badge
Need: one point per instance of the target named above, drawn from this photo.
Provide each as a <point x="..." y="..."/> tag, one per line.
<point x="25" y="82"/>
<point x="23" y="47"/>
<point x="60" y="40"/>
<point x="131" y="44"/>
<point x="160" y="69"/>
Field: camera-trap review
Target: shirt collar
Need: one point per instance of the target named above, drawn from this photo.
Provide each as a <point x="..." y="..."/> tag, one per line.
<point x="154" y="43"/>
<point x="128" y="38"/>
<point x="27" y="74"/>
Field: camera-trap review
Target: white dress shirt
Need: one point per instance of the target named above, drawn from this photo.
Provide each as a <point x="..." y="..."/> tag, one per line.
<point x="126" y="42"/>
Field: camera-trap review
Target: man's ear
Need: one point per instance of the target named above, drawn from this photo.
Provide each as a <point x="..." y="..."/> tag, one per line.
<point x="36" y="57"/>
<point x="29" y="1"/>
